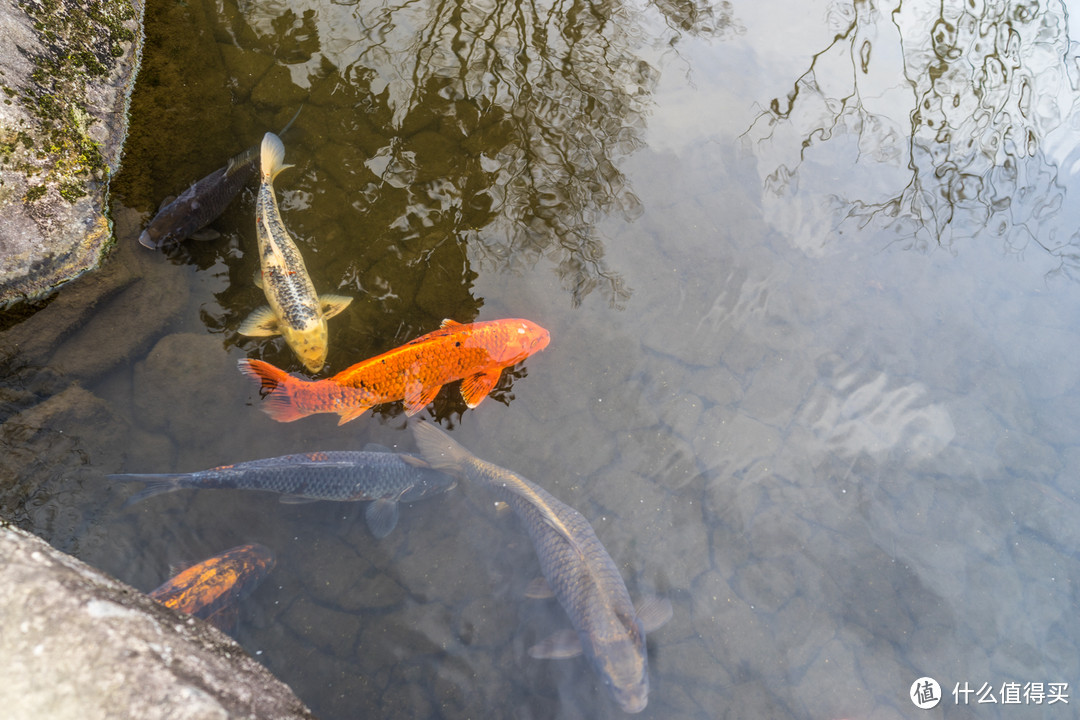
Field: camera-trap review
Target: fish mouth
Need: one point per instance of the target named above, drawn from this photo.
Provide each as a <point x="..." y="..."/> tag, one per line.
<point x="633" y="704"/>
<point x="631" y="699"/>
<point x="146" y="241"/>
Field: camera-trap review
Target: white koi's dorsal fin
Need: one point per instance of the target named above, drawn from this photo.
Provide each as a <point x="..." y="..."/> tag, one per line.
<point x="333" y="304"/>
<point x="261" y="323"/>
<point x="272" y="156"/>
<point x="447" y="322"/>
<point x="653" y="613"/>
<point x="476" y="387"/>
<point x="559" y="646"/>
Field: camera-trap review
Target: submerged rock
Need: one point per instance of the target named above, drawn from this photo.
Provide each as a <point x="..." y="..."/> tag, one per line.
<point x="66" y="71"/>
<point x="81" y="645"/>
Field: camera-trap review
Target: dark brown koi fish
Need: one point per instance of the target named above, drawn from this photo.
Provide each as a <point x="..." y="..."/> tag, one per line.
<point x="186" y="216"/>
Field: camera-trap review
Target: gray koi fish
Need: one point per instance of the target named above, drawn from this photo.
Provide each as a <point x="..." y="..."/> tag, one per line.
<point x="377" y="475"/>
<point x="186" y="216"/>
<point x="295" y="311"/>
<point x="577" y="570"/>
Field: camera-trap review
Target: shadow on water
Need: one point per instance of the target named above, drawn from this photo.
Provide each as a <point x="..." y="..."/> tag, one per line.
<point x="965" y="107"/>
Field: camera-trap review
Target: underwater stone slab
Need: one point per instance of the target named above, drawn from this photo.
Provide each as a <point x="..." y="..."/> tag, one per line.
<point x="67" y="77"/>
<point x="77" y="333"/>
<point x="79" y="645"/>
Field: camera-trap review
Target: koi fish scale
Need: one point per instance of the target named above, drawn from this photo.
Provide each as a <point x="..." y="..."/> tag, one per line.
<point x="476" y="354"/>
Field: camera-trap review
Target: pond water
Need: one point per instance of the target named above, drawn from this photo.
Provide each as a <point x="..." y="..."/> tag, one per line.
<point x="810" y="272"/>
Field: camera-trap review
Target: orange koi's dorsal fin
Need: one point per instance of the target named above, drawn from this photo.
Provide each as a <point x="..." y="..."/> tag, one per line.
<point x="447" y="322"/>
<point x="418" y="396"/>
<point x="476" y="387"/>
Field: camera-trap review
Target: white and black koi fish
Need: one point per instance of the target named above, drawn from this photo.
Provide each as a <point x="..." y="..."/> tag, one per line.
<point x="295" y="311"/>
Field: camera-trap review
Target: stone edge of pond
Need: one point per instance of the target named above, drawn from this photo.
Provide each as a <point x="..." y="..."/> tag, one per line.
<point x="78" y="644"/>
<point x="66" y="75"/>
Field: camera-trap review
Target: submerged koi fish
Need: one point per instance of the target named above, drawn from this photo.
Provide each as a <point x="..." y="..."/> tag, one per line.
<point x="476" y="354"/>
<point x="212" y="589"/>
<point x="295" y="311"/>
<point x="186" y="216"/>
<point x="376" y="474"/>
<point x="577" y="570"/>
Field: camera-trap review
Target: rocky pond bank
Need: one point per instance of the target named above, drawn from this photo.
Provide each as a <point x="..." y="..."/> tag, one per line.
<point x="76" y="643"/>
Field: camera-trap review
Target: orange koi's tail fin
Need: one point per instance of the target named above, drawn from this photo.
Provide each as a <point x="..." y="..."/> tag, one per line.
<point x="280" y="389"/>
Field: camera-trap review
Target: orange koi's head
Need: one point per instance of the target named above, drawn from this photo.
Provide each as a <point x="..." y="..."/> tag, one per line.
<point x="525" y="338"/>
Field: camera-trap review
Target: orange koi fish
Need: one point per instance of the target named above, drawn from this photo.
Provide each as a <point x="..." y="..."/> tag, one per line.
<point x="476" y="354"/>
<point x="211" y="589"/>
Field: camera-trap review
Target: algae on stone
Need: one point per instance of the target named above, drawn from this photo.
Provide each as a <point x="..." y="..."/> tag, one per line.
<point x="66" y="74"/>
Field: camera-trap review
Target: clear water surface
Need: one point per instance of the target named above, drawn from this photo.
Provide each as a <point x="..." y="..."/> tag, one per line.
<point x="810" y="271"/>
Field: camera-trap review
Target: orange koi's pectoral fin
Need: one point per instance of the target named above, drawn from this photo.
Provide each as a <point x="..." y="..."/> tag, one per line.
<point x="261" y="323"/>
<point x="418" y="396"/>
<point x="447" y="322"/>
<point x="476" y="387"/>
<point x="561" y="645"/>
<point x="350" y="414"/>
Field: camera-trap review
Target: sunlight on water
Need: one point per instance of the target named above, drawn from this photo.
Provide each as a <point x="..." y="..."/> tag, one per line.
<point x="810" y="277"/>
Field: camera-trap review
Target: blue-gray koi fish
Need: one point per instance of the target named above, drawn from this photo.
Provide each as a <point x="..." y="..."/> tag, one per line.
<point x="577" y="570"/>
<point x="377" y="475"/>
<point x="187" y="216"/>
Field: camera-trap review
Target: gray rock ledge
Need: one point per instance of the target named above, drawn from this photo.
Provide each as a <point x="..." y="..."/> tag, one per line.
<point x="78" y="645"/>
<point x="67" y="69"/>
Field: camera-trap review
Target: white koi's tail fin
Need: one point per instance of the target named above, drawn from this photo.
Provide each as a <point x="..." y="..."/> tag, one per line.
<point x="272" y="157"/>
<point x="441" y="452"/>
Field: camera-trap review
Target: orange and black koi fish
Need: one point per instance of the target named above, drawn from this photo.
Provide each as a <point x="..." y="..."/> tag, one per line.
<point x="476" y="354"/>
<point x="212" y="589"/>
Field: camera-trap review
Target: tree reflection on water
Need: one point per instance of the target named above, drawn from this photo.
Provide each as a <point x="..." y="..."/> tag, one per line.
<point x="989" y="90"/>
<point x="539" y="101"/>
